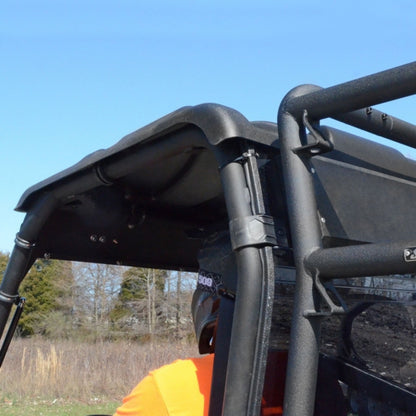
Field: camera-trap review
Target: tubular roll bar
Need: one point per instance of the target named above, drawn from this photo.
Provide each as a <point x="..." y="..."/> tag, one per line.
<point x="353" y="95"/>
<point x="21" y="258"/>
<point x="347" y="103"/>
<point x="363" y="260"/>
<point x="244" y="378"/>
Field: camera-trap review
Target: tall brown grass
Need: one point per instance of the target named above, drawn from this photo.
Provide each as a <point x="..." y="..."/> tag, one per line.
<point x="82" y="371"/>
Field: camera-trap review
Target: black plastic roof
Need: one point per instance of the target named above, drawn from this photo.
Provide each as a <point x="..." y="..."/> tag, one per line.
<point x="148" y="199"/>
<point x="216" y="123"/>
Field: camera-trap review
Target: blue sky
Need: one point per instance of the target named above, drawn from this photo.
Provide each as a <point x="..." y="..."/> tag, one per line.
<point x="76" y="76"/>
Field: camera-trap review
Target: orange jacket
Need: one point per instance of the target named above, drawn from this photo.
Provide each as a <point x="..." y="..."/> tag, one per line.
<point x="183" y="388"/>
<point x="178" y="389"/>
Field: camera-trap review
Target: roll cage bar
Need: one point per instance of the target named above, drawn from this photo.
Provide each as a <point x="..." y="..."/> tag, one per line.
<point x="212" y="169"/>
<point x="307" y="105"/>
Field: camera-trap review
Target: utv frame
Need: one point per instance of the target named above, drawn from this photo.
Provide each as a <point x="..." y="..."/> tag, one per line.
<point x="299" y="195"/>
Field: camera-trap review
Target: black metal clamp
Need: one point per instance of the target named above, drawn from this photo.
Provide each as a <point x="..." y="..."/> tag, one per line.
<point x="22" y="243"/>
<point x="319" y="146"/>
<point x="253" y="230"/>
<point x="332" y="307"/>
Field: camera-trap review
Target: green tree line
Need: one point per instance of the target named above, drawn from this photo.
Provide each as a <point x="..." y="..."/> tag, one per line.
<point x="97" y="301"/>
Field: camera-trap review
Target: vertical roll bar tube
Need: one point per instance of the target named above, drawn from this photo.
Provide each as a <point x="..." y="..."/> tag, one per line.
<point x="250" y="329"/>
<point x="21" y="256"/>
<point x="306" y="236"/>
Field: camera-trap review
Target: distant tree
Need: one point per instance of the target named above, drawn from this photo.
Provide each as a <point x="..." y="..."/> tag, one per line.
<point x="180" y="286"/>
<point x="139" y="302"/>
<point x="48" y="291"/>
<point x="97" y="286"/>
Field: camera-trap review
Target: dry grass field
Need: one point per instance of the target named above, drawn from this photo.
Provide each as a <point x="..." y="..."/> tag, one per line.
<point x="37" y="370"/>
